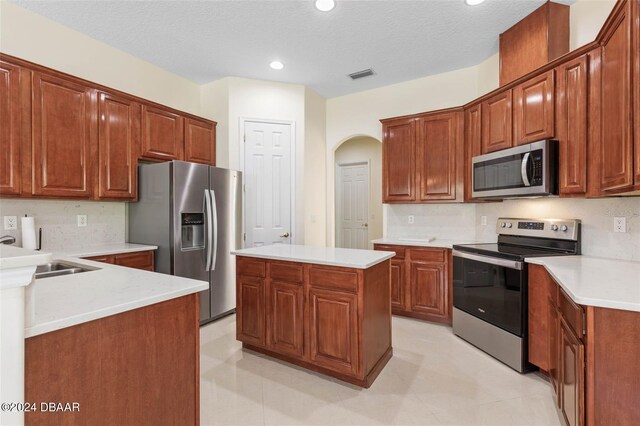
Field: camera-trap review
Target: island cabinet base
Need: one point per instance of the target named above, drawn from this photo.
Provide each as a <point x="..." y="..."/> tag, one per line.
<point x="139" y="367"/>
<point x="329" y="319"/>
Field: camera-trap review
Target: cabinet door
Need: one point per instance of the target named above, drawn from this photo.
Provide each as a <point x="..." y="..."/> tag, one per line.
<point x="62" y="137"/>
<point x="636" y="84"/>
<point x="118" y="145"/>
<point x="437" y="153"/>
<point x="398" y="284"/>
<point x="571" y="379"/>
<point x="286" y="318"/>
<point x="473" y="145"/>
<point x="333" y="330"/>
<point x="200" y="141"/>
<point x="496" y="123"/>
<point x="399" y="160"/>
<point x="572" y="125"/>
<point x="616" y="150"/>
<point x="10" y="134"/>
<point x="533" y="113"/>
<point x="162" y="134"/>
<point x="552" y="345"/>
<point x="429" y="294"/>
<point x="250" y="310"/>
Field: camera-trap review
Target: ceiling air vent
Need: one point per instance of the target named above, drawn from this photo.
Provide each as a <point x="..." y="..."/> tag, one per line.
<point x="361" y="74"/>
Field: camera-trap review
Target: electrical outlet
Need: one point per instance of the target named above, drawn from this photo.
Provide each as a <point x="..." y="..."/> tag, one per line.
<point x="10" y="222"/>
<point x="411" y="219"/>
<point x="483" y="220"/>
<point x="82" y="220"/>
<point x="619" y="224"/>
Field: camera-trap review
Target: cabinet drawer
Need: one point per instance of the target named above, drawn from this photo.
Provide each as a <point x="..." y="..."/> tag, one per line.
<point x="288" y="272"/>
<point x="428" y="255"/>
<point x="572" y="313"/>
<point x="399" y="251"/>
<point x="141" y="260"/>
<point x="103" y="259"/>
<point x="340" y="279"/>
<point x="250" y="267"/>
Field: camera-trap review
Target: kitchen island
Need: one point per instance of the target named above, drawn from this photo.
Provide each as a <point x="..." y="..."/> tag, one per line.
<point x="324" y="309"/>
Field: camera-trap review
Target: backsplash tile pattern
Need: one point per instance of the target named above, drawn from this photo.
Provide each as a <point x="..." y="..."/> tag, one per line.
<point x="57" y="218"/>
<point x="443" y="221"/>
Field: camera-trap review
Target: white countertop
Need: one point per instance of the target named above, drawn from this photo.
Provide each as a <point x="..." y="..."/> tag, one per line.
<point x="17" y="257"/>
<point x="103" y="250"/>
<point x="63" y="301"/>
<point x="417" y="242"/>
<point x="594" y="281"/>
<point x="348" y="258"/>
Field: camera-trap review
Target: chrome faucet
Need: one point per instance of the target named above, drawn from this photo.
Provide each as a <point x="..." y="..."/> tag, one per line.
<point x="7" y="239"/>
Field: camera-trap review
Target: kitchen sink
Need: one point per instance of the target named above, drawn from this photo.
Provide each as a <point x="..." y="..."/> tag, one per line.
<point x="57" y="268"/>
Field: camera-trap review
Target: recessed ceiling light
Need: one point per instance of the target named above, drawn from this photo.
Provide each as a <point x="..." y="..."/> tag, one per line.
<point x="325" y="5"/>
<point x="276" y="65"/>
<point x="473" y="2"/>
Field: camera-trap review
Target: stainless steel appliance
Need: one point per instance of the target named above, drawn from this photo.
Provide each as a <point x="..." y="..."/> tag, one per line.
<point x="490" y="284"/>
<point x="524" y="171"/>
<point x="193" y="213"/>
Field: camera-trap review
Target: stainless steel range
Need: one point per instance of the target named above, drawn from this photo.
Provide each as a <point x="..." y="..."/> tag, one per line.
<point x="490" y="284"/>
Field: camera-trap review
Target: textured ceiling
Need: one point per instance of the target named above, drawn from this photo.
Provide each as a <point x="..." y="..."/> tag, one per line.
<point x="207" y="40"/>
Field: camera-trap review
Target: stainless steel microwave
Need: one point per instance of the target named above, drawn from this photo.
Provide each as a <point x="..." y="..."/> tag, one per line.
<point x="529" y="170"/>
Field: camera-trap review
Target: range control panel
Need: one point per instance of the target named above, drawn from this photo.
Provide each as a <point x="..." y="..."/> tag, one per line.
<point x="564" y="229"/>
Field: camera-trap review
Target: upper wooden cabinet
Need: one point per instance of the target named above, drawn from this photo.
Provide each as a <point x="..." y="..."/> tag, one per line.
<point x="636" y="84"/>
<point x="200" y="141"/>
<point x="439" y="151"/>
<point x="533" y="109"/>
<point x="497" y="122"/>
<point x="63" y="137"/>
<point x="118" y="146"/>
<point x="399" y="160"/>
<point x="162" y="134"/>
<point x="616" y="149"/>
<point x="539" y="38"/>
<point x="10" y="130"/>
<point x="472" y="144"/>
<point x="572" y="83"/>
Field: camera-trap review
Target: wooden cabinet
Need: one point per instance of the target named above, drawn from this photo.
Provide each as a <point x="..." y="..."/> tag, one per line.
<point x="439" y="151"/>
<point x="420" y="282"/>
<point x="553" y="355"/>
<point x="399" y="160"/>
<point x="162" y="134"/>
<point x="329" y="319"/>
<point x="63" y="137"/>
<point x="118" y="147"/>
<point x="497" y="122"/>
<point x="473" y="144"/>
<point x="139" y="260"/>
<point x="333" y="330"/>
<point x="616" y="147"/>
<point x="533" y="110"/>
<point x="572" y="85"/>
<point x="635" y="7"/>
<point x="571" y="375"/>
<point x="10" y="132"/>
<point x="200" y="141"/>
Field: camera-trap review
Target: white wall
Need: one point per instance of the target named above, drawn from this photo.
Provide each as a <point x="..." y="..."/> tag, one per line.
<point x="214" y="101"/>
<point x="361" y="149"/>
<point x="35" y="38"/>
<point x="315" y="191"/>
<point x="587" y="18"/>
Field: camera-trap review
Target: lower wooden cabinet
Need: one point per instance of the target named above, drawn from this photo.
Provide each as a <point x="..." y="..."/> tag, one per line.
<point x="420" y="282"/>
<point x="571" y="375"/>
<point x="139" y="260"/>
<point x="329" y="319"/>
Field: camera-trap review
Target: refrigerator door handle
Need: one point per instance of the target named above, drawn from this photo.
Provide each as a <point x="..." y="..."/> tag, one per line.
<point x="214" y="239"/>
<point x="209" y="227"/>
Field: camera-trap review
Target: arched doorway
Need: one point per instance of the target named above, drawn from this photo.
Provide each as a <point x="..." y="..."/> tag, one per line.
<point x="358" y="192"/>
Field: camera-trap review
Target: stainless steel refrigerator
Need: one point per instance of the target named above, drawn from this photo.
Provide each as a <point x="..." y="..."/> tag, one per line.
<point x="193" y="213"/>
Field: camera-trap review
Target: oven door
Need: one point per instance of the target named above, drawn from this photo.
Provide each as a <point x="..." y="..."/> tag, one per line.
<point x="492" y="289"/>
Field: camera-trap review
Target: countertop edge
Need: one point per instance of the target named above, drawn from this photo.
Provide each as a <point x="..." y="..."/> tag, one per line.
<point x="368" y="265"/>
<point x="106" y="252"/>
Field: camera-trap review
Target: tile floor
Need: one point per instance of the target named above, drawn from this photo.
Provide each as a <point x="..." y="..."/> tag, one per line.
<point x="434" y="378"/>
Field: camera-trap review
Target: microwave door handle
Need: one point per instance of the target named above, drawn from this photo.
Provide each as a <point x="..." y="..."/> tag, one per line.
<point x="524" y="167"/>
<point x="208" y="228"/>
<point x="214" y="239"/>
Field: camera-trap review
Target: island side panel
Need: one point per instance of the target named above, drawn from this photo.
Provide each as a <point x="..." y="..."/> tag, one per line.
<point x="376" y="322"/>
<point x="137" y="367"/>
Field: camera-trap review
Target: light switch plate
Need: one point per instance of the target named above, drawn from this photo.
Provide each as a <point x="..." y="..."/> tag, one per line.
<point x="10" y="223"/>
<point x="619" y="224"/>
<point x="82" y="220"/>
<point x="483" y="220"/>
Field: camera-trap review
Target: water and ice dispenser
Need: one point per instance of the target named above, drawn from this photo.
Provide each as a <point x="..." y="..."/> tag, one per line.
<point x="192" y="231"/>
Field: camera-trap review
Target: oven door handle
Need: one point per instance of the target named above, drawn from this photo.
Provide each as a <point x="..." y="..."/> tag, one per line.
<point x="512" y="264"/>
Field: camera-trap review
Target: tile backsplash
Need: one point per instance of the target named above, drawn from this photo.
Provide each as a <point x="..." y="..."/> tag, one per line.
<point x="459" y="222"/>
<point x="106" y="222"/>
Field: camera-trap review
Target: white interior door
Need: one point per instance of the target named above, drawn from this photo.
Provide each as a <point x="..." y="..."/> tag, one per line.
<point x="353" y="206"/>
<point x="268" y="186"/>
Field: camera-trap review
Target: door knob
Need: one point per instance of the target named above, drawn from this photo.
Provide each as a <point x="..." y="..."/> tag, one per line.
<point x="285" y="235"/>
<point x="366" y="225"/>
